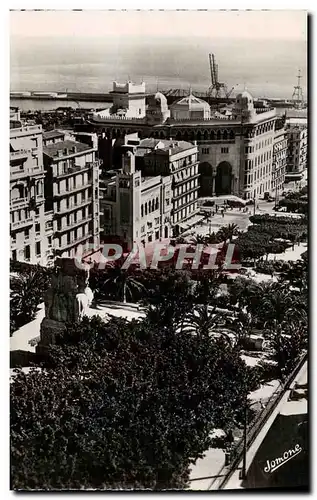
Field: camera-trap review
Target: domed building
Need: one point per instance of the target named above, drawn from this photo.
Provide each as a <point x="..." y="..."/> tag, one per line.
<point x="190" y="108"/>
<point x="244" y="106"/>
<point x="157" y="109"/>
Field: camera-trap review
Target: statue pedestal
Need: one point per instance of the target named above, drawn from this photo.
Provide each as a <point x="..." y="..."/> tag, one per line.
<point x="50" y="329"/>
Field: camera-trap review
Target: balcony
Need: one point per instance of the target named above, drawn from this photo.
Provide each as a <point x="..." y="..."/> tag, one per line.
<point x="68" y="227"/>
<point x="73" y="243"/>
<point x="79" y="168"/>
<point x="187" y="179"/>
<point x="19" y="155"/>
<point x="73" y="190"/>
<point x="27" y="128"/>
<point x="19" y="202"/>
<point x="73" y="170"/>
<point x="63" y="211"/>
<point x="21" y="223"/>
<point x="26" y="172"/>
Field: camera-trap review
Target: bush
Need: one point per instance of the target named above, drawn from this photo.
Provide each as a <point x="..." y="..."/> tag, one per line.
<point x="127" y="405"/>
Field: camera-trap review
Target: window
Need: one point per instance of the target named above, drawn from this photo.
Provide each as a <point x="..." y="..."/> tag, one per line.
<point x="27" y="252"/>
<point x="150" y="238"/>
<point x="14" y="255"/>
<point x="205" y="151"/>
<point x="157" y="235"/>
<point x="142" y="210"/>
<point x="26" y="234"/>
<point x="49" y="240"/>
<point x="143" y="229"/>
<point x="156" y="221"/>
<point x="224" y="150"/>
<point x="37" y="228"/>
<point x="38" y="249"/>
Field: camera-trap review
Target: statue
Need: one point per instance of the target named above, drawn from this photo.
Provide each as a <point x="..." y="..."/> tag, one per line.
<point x="84" y="300"/>
<point x="63" y="302"/>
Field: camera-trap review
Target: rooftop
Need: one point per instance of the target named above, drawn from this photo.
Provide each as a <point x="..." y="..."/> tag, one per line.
<point x="66" y="148"/>
<point x="52" y="134"/>
<point x="191" y="102"/>
<point x="176" y="146"/>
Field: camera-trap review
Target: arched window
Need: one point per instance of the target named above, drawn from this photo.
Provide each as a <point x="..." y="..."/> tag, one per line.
<point x="199" y="135"/>
<point x="15" y="193"/>
<point x="225" y="135"/>
<point x="231" y="135"/>
<point x="149" y="206"/>
<point x="212" y="135"/>
<point x="142" y="210"/>
<point x="145" y="209"/>
<point x="205" y="135"/>
<point x="218" y="135"/>
<point x="157" y="203"/>
<point x="153" y="205"/>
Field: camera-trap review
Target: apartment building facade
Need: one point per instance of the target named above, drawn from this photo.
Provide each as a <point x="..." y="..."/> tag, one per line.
<point x="72" y="194"/>
<point x="135" y="208"/>
<point x="297" y="135"/>
<point x="29" y="241"/>
<point x="280" y="148"/>
<point x="179" y="160"/>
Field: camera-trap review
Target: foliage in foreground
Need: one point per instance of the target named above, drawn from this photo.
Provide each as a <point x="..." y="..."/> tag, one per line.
<point x="123" y="405"/>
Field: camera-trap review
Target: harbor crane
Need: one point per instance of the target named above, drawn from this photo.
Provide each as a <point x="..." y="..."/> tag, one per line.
<point x="297" y="97"/>
<point x="217" y="89"/>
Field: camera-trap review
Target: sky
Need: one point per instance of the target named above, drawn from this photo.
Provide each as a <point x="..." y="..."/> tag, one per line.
<point x="277" y="24"/>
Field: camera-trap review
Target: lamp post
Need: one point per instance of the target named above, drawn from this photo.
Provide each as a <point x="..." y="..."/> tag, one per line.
<point x="243" y="472"/>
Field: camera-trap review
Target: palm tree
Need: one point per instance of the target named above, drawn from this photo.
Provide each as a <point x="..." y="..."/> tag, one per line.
<point x="125" y="284"/>
<point x="26" y="293"/>
<point x="199" y="239"/>
<point x="202" y="321"/>
<point x="226" y="233"/>
<point x="240" y="327"/>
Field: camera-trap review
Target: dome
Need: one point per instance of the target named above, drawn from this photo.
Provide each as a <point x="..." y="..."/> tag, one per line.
<point x="160" y="99"/>
<point x="191" y="102"/>
<point x="244" y="107"/>
<point x="244" y="98"/>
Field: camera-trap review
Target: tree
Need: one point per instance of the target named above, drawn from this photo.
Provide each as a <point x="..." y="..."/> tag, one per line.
<point x="287" y="342"/>
<point x="240" y="326"/>
<point x="169" y="297"/>
<point x="122" y="283"/>
<point x="27" y="289"/>
<point x="297" y="274"/>
<point x="207" y="285"/>
<point x="199" y="239"/>
<point x="226" y="233"/>
<point x="202" y="321"/>
<point x="123" y="405"/>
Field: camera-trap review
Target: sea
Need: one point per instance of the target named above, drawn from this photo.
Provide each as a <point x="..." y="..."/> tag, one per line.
<point x="265" y="68"/>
